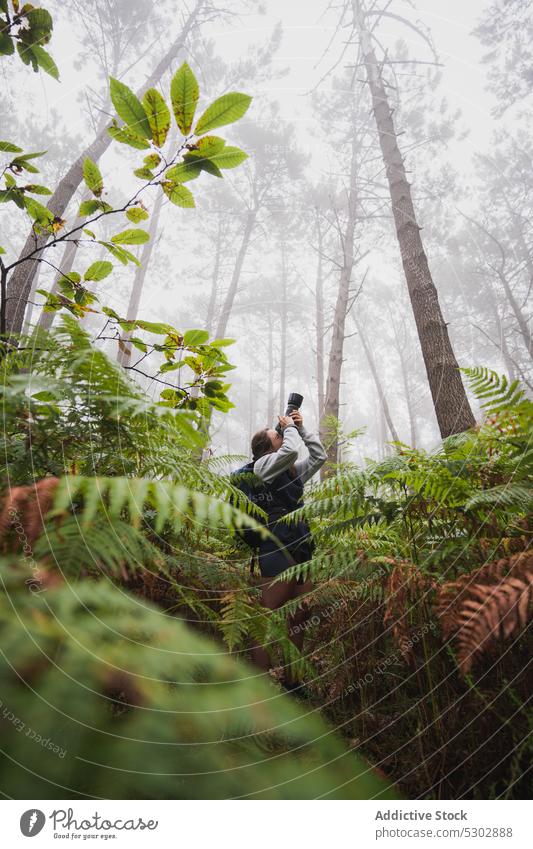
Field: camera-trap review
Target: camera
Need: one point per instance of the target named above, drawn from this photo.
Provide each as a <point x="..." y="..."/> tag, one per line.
<point x="294" y="403"/>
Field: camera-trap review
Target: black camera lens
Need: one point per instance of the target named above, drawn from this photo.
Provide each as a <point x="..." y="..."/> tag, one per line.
<point x="294" y="403"/>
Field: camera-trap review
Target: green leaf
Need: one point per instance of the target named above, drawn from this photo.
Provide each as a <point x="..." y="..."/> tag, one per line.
<point x="6" y="44"/>
<point x="203" y="162"/>
<point x="195" y="337"/>
<point x="170" y="367"/>
<point x="36" y="190"/>
<point x="221" y="343"/>
<point x="125" y="135"/>
<point x="171" y="395"/>
<point x="152" y="160"/>
<point x="8" y="147"/>
<point x="155" y="327"/>
<point x="136" y="214"/>
<point x="130" y="237"/>
<point x="92" y="176"/>
<point x="230" y="157"/>
<point x="24" y="52"/>
<point x="124" y="256"/>
<point x="71" y="277"/>
<point x="224" y="110"/>
<point x="110" y="312"/>
<point x="143" y="174"/>
<point x="44" y="395"/>
<point x="158" y="115"/>
<point x="184" y="93"/>
<point x="40" y="25"/>
<point x="128" y="325"/>
<point x="15" y="195"/>
<point x="2" y="250"/>
<point x="33" y="155"/>
<point x="38" y="212"/>
<point x="89" y="232"/>
<point x="45" y="61"/>
<point x="178" y="194"/>
<point x="183" y="172"/>
<point x="209" y="145"/>
<point x="89" y="207"/>
<point x="21" y="162"/>
<point x="98" y="270"/>
<point x="139" y="344"/>
<point x="129" y="108"/>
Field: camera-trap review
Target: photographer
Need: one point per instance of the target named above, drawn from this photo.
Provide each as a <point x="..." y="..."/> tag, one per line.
<point x="275" y="463"/>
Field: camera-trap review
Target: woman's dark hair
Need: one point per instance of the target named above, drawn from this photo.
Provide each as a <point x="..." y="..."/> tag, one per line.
<point x="261" y="444"/>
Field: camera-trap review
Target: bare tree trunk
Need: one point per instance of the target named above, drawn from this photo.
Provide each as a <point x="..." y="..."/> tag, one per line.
<point x="270" y="385"/>
<point x="449" y="397"/>
<point x="406" y="387"/>
<point x="46" y="319"/>
<point x="332" y="394"/>
<point x="29" y="312"/>
<point x="283" y="327"/>
<point x="216" y="272"/>
<point x="508" y="362"/>
<point x="319" y="300"/>
<point x="381" y="429"/>
<point x="235" y="277"/>
<point x="124" y="352"/>
<point x="19" y="286"/>
<point x="379" y="386"/>
<point x="518" y="314"/>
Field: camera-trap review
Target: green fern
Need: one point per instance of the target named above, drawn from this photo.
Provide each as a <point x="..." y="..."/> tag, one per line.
<point x="495" y="392"/>
<point x="138" y="706"/>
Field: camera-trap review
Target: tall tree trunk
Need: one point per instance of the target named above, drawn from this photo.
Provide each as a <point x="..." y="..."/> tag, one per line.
<point x="270" y="385"/>
<point x="225" y="313"/>
<point x="46" y="319"/>
<point x="19" y="286"/>
<point x="216" y="273"/>
<point x="124" y="352"/>
<point x="332" y="394"/>
<point x="508" y="362"/>
<point x="451" y="404"/>
<point x="379" y="386"/>
<point x="283" y="329"/>
<point x="518" y="314"/>
<point x="319" y="301"/>
<point x="235" y="277"/>
<point x="406" y="386"/>
<point x="31" y="306"/>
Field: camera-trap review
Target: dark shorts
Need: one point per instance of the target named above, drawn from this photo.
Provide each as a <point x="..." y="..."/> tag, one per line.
<point x="297" y="547"/>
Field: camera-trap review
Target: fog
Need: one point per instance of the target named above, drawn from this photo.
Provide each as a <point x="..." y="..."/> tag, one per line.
<point x="310" y="96"/>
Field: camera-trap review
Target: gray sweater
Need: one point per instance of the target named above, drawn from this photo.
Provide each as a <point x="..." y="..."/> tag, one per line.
<point x="269" y="466"/>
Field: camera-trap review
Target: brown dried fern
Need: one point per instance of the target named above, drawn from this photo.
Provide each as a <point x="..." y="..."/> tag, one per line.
<point x="452" y="594"/>
<point x="23" y="511"/>
<point x="490" y="604"/>
<point x="404" y="585"/>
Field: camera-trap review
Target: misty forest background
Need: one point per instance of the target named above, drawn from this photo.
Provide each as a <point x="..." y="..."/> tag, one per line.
<point x="361" y="235"/>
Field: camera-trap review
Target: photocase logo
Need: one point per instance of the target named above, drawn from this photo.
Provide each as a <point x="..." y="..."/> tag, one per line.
<point x="32" y="822"/>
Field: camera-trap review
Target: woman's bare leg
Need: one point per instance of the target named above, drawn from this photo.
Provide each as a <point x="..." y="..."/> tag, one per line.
<point x="298" y="620"/>
<point x="274" y="595"/>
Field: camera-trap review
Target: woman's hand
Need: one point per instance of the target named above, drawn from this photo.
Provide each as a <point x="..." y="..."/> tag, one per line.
<point x="296" y="416"/>
<point x="285" y="421"/>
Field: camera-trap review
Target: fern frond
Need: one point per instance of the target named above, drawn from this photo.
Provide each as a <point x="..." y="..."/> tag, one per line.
<point x="495" y="392"/>
<point x="512" y="496"/>
<point x="491" y="613"/>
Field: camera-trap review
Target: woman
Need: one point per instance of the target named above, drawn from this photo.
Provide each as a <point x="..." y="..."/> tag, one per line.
<point x="283" y="476"/>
